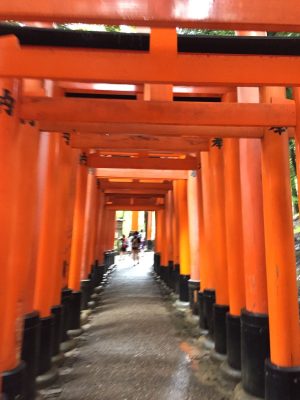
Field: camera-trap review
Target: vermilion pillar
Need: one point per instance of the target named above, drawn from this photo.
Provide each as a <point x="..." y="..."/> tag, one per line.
<point x="48" y="194"/>
<point x="89" y="222"/>
<point x="283" y="369"/>
<point x="99" y="221"/>
<point x="11" y="285"/>
<point x="207" y="295"/>
<point x="184" y="239"/>
<point x="234" y="246"/>
<point x="219" y="246"/>
<point x="193" y="214"/>
<point x="254" y="318"/>
<point x="78" y="225"/>
<point x="135" y="221"/>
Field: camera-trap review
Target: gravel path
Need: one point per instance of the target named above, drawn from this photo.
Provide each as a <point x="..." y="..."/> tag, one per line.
<point x="131" y="351"/>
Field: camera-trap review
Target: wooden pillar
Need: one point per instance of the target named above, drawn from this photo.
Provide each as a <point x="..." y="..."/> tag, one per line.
<point x="281" y="263"/>
<point x="12" y="274"/>
<point x="89" y="221"/>
<point x="207" y="297"/>
<point x="184" y="239"/>
<point x="219" y="247"/>
<point x="193" y="214"/>
<point x="99" y="237"/>
<point x="135" y="221"/>
<point x="149" y="226"/>
<point x="193" y="219"/>
<point x="78" y="225"/>
<point x="254" y="318"/>
<point x="234" y="245"/>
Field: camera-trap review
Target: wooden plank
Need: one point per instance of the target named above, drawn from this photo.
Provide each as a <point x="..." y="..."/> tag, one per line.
<point x="271" y="15"/>
<point x="142" y="163"/>
<point x="158" y="112"/>
<point x="107" y="186"/>
<point x="140" y="67"/>
<point x="140" y="174"/>
<point x="138" y="143"/>
<point x="112" y="128"/>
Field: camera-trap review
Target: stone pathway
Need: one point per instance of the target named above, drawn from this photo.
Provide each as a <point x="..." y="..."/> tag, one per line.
<point x="131" y="351"/>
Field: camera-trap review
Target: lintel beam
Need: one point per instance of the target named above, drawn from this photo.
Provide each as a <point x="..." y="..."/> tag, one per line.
<point x="107" y="186"/>
<point x="138" y="143"/>
<point x="112" y="128"/>
<point x="140" y="174"/>
<point x="157" y="112"/>
<point x="187" y="69"/>
<point x="94" y="161"/>
<point x="260" y="15"/>
<point x="128" y="207"/>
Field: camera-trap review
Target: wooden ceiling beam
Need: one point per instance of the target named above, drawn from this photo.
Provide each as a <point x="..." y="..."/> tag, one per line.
<point x="187" y="69"/>
<point x="140" y="174"/>
<point x="138" y="143"/>
<point x="158" y="112"/>
<point x="271" y="15"/>
<point x="94" y="161"/>
<point x="107" y="186"/>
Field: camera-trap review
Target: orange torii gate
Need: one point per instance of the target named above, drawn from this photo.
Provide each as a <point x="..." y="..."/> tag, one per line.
<point x="261" y="160"/>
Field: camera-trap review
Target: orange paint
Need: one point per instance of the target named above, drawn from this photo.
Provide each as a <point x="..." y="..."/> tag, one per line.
<point x="78" y="226"/>
<point x="183" y="227"/>
<point x="49" y="157"/>
<point x="280" y="252"/>
<point x="208" y="276"/>
<point x="233" y="222"/>
<point x="216" y="163"/>
<point x="193" y="217"/>
<point x="12" y="273"/>
<point x="135" y="221"/>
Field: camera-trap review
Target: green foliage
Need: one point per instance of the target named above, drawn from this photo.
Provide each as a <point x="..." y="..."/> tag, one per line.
<point x="293" y="175"/>
<point x="208" y="32"/>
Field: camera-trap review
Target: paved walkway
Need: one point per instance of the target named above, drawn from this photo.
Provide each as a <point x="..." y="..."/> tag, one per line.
<point x="131" y="351"/>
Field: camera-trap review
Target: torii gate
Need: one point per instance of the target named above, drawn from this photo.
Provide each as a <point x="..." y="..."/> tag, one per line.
<point x="261" y="128"/>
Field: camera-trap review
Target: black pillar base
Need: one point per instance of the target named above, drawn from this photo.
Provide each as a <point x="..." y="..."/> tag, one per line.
<point x="66" y="297"/>
<point x="46" y="344"/>
<point x="97" y="274"/>
<point x="233" y="325"/>
<point x="176" y="275"/>
<point x="30" y="351"/>
<point x="13" y="383"/>
<point x="85" y="293"/>
<point x="255" y="349"/>
<point x="281" y="383"/>
<point x="202" y="317"/>
<point x="170" y="282"/>
<point x="58" y="313"/>
<point x="193" y="286"/>
<point x="184" y="288"/>
<point x="209" y="299"/>
<point x="156" y="265"/>
<point x="220" y="312"/>
<point x="75" y="308"/>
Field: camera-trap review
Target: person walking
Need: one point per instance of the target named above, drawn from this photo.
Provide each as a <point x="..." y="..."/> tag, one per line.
<point x="135" y="245"/>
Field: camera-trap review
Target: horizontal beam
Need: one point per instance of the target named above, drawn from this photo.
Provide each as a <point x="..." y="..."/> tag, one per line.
<point x="136" y="192"/>
<point x="161" y="112"/>
<point x="112" y="128"/>
<point x="95" y="161"/>
<point x="141" y="67"/>
<point x="272" y="15"/>
<point x="107" y="186"/>
<point x="138" y="143"/>
<point x="127" y="207"/>
<point x="140" y="174"/>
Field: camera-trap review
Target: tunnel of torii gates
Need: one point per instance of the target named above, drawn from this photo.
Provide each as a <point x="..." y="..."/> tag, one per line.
<point x="194" y="129"/>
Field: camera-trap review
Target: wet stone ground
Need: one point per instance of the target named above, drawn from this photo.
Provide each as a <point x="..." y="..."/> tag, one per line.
<point x="138" y="347"/>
